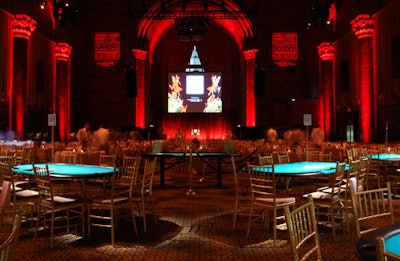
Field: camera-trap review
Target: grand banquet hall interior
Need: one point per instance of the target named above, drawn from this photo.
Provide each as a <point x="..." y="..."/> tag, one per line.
<point x="204" y="87"/>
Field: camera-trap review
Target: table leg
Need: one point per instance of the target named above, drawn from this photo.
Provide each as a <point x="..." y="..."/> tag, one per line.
<point x="162" y="172"/>
<point x="219" y="173"/>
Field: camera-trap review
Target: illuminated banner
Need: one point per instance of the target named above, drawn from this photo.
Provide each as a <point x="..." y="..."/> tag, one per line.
<point x="107" y="48"/>
<point x="284" y="47"/>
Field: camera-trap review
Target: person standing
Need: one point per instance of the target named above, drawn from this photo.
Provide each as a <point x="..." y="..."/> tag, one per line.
<point x="101" y="138"/>
<point x="84" y="136"/>
<point x="178" y="135"/>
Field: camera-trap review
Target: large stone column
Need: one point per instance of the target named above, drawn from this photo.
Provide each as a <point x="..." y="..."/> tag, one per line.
<point x="63" y="90"/>
<point x="250" y="56"/>
<point x="363" y="27"/>
<point x="327" y="103"/>
<point x="22" y="26"/>
<point x="141" y="58"/>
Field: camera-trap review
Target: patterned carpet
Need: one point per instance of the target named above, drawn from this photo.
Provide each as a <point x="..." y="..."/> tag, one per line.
<point x="195" y="227"/>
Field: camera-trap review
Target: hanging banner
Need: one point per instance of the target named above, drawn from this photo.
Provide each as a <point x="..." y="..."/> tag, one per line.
<point x="107" y="48"/>
<point x="284" y="47"/>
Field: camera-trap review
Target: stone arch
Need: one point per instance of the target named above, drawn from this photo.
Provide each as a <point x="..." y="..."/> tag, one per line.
<point x="161" y="18"/>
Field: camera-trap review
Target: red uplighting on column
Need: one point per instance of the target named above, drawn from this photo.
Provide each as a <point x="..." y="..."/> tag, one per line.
<point x="326" y="94"/>
<point x="250" y="57"/>
<point x="325" y="51"/>
<point x="363" y="28"/>
<point x="22" y="27"/>
<point x="63" y="76"/>
<point x="63" y="51"/>
<point x="141" y="57"/>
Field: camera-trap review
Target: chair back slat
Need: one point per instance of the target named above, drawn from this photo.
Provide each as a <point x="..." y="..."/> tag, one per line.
<point x="371" y="208"/>
<point x="8" y="247"/>
<point x="303" y="231"/>
<point x="265" y="160"/>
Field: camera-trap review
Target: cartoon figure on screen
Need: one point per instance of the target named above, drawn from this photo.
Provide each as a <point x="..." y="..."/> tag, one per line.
<point x="214" y="102"/>
<point x="214" y="90"/>
<point x="175" y="102"/>
<point x="176" y="86"/>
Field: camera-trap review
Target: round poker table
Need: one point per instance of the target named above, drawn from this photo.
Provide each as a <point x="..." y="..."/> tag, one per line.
<point x="366" y="247"/>
<point x="304" y="168"/>
<point x="386" y="156"/>
<point x="64" y="170"/>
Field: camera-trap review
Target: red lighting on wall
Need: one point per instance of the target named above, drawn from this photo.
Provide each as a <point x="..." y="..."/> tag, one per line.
<point x="141" y="57"/>
<point x="63" y="54"/>
<point x="326" y="54"/>
<point x="362" y="26"/>
<point x="63" y="51"/>
<point x="250" y="57"/>
<point x="23" y="26"/>
<point x="325" y="51"/>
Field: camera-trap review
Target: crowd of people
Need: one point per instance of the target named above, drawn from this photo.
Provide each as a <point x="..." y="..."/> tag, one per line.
<point x="100" y="138"/>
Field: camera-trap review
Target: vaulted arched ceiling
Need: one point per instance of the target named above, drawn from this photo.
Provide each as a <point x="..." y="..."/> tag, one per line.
<point x="164" y="16"/>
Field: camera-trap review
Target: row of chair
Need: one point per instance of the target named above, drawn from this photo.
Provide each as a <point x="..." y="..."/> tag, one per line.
<point x="346" y="192"/>
<point x="130" y="187"/>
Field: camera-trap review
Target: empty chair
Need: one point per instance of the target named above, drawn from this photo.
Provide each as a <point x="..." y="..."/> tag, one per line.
<point x="314" y="155"/>
<point x="303" y="232"/>
<point x="144" y="190"/>
<point x="242" y="194"/>
<point x="350" y="155"/>
<point x="64" y="212"/>
<point x="23" y="156"/>
<point x="102" y="211"/>
<point x="21" y="198"/>
<point x="10" y="160"/>
<point x="381" y="253"/>
<point x="107" y="160"/>
<point x="5" y="197"/>
<point x="283" y="158"/>
<point x="325" y="157"/>
<point x="68" y="158"/>
<point x="90" y="158"/>
<point x="130" y="167"/>
<point x="8" y="247"/>
<point x="362" y="179"/>
<point x="327" y="200"/>
<point x="264" y="195"/>
<point x="265" y="160"/>
<point x="373" y="173"/>
<point x="370" y="206"/>
<point x="352" y="172"/>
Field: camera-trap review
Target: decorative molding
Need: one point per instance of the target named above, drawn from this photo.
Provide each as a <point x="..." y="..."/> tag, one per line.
<point x="139" y="54"/>
<point x="363" y="26"/>
<point x="23" y="26"/>
<point x="326" y="51"/>
<point x="63" y="51"/>
<point x="250" y="54"/>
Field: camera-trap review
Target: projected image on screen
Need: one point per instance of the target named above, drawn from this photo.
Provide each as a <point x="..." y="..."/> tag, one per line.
<point x="195" y="92"/>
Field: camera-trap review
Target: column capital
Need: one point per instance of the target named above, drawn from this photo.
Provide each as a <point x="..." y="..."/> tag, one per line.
<point x="23" y="26"/>
<point x="250" y="54"/>
<point x="63" y="51"/>
<point x="362" y="26"/>
<point x="325" y="51"/>
<point x="139" y="54"/>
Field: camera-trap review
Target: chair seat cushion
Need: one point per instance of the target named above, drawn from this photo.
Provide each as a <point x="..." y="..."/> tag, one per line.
<point x="319" y="195"/>
<point x="61" y="201"/>
<point x="26" y="193"/>
<point x="280" y="201"/>
<point x="107" y="201"/>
